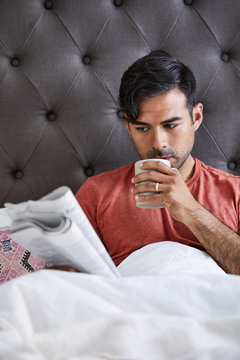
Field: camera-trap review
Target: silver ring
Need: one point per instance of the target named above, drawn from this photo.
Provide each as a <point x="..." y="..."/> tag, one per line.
<point x="156" y="187"/>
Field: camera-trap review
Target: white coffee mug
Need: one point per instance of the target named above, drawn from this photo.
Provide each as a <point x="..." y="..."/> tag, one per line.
<point x="149" y="205"/>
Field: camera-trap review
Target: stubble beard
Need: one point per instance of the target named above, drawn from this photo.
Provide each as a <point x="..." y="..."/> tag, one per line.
<point x="176" y="160"/>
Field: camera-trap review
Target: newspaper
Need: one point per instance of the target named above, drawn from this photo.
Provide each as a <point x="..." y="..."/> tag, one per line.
<point x="57" y="231"/>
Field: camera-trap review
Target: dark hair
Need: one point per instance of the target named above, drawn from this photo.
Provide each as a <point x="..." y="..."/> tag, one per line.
<point x="151" y="75"/>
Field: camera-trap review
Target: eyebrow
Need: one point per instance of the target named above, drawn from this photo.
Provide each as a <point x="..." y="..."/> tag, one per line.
<point x="172" y="119"/>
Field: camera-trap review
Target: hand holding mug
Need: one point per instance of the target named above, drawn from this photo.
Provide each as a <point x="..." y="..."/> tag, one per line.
<point x="158" y="185"/>
<point x="152" y="185"/>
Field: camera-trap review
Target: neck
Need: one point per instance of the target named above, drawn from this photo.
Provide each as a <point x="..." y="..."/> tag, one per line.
<point x="187" y="169"/>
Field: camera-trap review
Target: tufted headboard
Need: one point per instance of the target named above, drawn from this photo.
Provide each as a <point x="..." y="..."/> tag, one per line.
<point x="61" y="62"/>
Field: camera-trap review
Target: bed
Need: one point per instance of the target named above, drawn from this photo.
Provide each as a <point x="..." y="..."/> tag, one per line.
<point x="172" y="302"/>
<point x="61" y="62"/>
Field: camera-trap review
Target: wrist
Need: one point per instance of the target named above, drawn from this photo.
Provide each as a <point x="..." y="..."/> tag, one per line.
<point x="188" y="214"/>
<point x="195" y="216"/>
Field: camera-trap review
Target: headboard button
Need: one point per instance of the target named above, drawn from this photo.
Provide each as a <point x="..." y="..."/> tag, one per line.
<point x="225" y="57"/>
<point x="15" y="62"/>
<point x="48" y="4"/>
<point x="231" y="165"/>
<point x="18" y="174"/>
<point x="89" y="171"/>
<point x="118" y="3"/>
<point x="86" y="60"/>
<point x="188" y="2"/>
<point x="51" y="116"/>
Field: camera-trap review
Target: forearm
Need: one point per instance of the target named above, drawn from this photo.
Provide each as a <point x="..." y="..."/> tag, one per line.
<point x="220" y="242"/>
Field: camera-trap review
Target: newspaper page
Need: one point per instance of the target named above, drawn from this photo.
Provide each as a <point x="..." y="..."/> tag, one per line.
<point x="56" y="229"/>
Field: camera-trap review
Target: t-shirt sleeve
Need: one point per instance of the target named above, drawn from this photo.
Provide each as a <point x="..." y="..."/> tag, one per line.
<point x="87" y="197"/>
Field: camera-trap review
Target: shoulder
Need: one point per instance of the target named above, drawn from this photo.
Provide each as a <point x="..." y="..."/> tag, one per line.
<point x="211" y="179"/>
<point x="216" y="173"/>
<point x="109" y="177"/>
<point x="112" y="175"/>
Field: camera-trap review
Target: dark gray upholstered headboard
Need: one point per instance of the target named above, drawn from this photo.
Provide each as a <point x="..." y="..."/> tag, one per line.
<point x="60" y="67"/>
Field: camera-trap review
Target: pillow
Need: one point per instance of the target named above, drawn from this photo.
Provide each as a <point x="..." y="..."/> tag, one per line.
<point x="14" y="259"/>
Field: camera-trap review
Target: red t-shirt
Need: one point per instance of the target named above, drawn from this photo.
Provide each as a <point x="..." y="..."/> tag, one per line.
<point x="123" y="228"/>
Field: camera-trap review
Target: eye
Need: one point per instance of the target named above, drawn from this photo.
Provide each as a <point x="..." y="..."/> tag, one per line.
<point x="170" y="126"/>
<point x="142" y="129"/>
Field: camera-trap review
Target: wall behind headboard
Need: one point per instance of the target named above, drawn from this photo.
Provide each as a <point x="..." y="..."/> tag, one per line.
<point x="61" y="62"/>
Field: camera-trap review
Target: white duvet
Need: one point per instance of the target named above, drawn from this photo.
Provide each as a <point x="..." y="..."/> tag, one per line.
<point x="173" y="302"/>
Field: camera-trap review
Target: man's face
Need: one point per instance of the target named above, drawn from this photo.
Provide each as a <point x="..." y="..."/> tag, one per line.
<point x="164" y="128"/>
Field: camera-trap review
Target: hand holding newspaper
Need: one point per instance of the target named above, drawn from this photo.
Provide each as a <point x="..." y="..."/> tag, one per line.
<point x="56" y="230"/>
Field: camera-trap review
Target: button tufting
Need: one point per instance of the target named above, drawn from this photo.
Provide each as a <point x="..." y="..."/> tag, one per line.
<point x="188" y="2"/>
<point x="118" y="2"/>
<point x="89" y="171"/>
<point x="231" y="165"/>
<point x="51" y="116"/>
<point x="120" y="114"/>
<point x="86" y="60"/>
<point x="225" y="57"/>
<point x="48" y="4"/>
<point x="18" y="174"/>
<point x="15" y="62"/>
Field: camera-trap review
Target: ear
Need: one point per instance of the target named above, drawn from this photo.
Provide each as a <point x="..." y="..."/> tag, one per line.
<point x="127" y="125"/>
<point x="197" y="115"/>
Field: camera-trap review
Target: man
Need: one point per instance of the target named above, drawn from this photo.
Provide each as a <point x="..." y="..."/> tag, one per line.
<point x="157" y="95"/>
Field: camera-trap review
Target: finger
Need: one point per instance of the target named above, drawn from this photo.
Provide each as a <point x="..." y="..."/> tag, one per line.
<point x="150" y="198"/>
<point x="157" y="166"/>
<point x="150" y="187"/>
<point x="151" y="176"/>
<point x="62" y="268"/>
<point x="156" y="176"/>
<point x="147" y="187"/>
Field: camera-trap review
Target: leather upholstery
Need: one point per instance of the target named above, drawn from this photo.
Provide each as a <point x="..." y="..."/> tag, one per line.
<point x="61" y="62"/>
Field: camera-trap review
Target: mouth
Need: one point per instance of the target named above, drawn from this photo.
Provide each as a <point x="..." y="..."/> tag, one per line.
<point x="164" y="157"/>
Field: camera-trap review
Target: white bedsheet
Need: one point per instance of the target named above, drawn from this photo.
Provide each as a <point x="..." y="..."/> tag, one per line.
<point x="179" y="310"/>
<point x="5" y="220"/>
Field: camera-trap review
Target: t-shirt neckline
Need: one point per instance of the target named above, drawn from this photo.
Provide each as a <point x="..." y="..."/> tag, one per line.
<point x="196" y="173"/>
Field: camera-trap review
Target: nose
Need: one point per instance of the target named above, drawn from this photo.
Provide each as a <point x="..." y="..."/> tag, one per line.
<point x="159" y="139"/>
